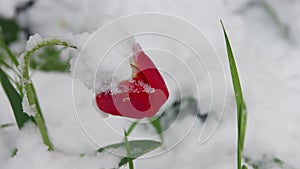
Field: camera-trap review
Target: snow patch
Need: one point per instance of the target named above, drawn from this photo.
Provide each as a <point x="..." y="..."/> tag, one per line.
<point x="99" y="69"/>
<point x="32" y="153"/>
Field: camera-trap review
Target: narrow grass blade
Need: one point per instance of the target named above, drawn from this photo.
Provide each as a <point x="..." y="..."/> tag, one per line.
<point x="14" y="99"/>
<point x="241" y="107"/>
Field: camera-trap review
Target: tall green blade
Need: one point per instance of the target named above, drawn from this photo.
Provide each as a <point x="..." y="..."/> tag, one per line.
<point x="241" y="107"/>
<point x="14" y="99"/>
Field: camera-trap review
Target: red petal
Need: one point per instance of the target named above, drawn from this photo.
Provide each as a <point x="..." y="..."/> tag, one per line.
<point x="106" y="104"/>
<point x="147" y="70"/>
<point x="137" y="102"/>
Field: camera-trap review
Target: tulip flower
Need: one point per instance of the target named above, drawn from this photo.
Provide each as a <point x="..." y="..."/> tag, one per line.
<point x="138" y="97"/>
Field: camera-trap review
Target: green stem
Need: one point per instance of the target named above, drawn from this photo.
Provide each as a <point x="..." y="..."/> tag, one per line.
<point x="132" y="126"/>
<point x="129" y="157"/>
<point x="43" y="130"/>
<point x="29" y="87"/>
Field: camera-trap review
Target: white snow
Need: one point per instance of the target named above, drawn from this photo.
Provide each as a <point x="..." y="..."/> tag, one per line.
<point x="32" y="153"/>
<point x="73" y="40"/>
<point x="7" y="7"/>
<point x="29" y="109"/>
<point x="268" y="66"/>
<point x="101" y="70"/>
<point x="33" y="41"/>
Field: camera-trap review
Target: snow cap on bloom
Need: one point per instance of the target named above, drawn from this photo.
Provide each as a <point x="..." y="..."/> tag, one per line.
<point x="139" y="97"/>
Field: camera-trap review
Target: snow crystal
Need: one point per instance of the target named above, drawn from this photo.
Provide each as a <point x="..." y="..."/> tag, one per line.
<point x="21" y="63"/>
<point x="124" y="87"/>
<point x="29" y="109"/>
<point x="147" y="88"/>
<point x="33" y="41"/>
<point x="77" y="40"/>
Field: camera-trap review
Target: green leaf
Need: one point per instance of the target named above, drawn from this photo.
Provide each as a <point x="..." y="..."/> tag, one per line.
<point x="49" y="59"/>
<point x="14" y="99"/>
<point x="144" y="146"/>
<point x="241" y="107"/>
<point x="9" y="30"/>
<point x="155" y="122"/>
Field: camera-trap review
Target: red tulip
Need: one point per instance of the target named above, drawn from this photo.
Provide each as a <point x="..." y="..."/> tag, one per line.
<point x="139" y="97"/>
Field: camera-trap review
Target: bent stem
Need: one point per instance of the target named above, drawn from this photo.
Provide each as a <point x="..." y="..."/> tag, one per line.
<point x="29" y="87"/>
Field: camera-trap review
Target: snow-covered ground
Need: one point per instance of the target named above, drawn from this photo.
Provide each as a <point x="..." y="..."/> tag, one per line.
<point x="268" y="64"/>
